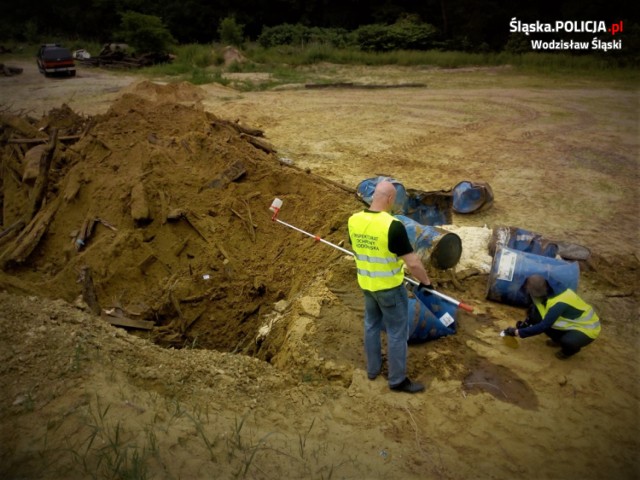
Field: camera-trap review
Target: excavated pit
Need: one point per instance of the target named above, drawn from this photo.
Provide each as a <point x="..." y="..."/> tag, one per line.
<point x="166" y="206"/>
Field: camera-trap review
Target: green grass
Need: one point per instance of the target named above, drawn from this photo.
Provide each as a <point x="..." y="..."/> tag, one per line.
<point x="312" y="63"/>
<point x="319" y="63"/>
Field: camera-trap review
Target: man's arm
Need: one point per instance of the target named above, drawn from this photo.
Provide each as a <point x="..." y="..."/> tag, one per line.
<point x="547" y="322"/>
<point x="416" y="268"/>
<point x="400" y="245"/>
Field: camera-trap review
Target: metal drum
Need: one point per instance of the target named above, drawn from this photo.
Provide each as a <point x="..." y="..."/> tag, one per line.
<point x="511" y="268"/>
<point x="442" y="249"/>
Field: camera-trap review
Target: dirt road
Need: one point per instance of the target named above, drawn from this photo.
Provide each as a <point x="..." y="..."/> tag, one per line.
<point x="561" y="155"/>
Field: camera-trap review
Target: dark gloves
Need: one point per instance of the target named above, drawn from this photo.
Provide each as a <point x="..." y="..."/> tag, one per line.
<point x="509" y="332"/>
<point x="425" y="289"/>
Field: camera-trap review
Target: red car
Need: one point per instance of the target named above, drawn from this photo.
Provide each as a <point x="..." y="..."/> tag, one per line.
<point x="54" y="59"/>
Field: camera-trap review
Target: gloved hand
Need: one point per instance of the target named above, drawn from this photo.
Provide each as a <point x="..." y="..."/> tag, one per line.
<point x="509" y="332"/>
<point x="425" y="289"/>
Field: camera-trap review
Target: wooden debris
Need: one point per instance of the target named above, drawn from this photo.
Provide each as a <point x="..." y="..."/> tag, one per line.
<point x="29" y="238"/>
<point x="86" y="230"/>
<point x="260" y="144"/>
<point x="72" y="185"/>
<point x="88" y="290"/>
<point x="176" y="305"/>
<point x="180" y="248"/>
<point x="81" y="236"/>
<point x="239" y="128"/>
<point x="29" y="141"/>
<point x="21" y="125"/>
<point x="188" y="323"/>
<point x="40" y="186"/>
<point x="323" y="179"/>
<point x="13" y="163"/>
<point x="191" y="219"/>
<point x="106" y="224"/>
<point x="455" y="281"/>
<point x="164" y="206"/>
<point x="147" y="262"/>
<point x="176" y="214"/>
<point x="9" y="71"/>
<point x="121" y="321"/>
<point x="140" y="211"/>
<point x="32" y="163"/>
<point x="223" y="252"/>
<point x="12" y="228"/>
<point x="232" y="173"/>
<point x="247" y="222"/>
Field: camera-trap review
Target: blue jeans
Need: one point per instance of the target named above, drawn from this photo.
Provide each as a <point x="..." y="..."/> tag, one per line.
<point x="388" y="308"/>
<point x="571" y="341"/>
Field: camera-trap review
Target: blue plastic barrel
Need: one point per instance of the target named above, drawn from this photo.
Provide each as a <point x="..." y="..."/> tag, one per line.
<point x="430" y="317"/>
<point x="443" y="248"/>
<point x="511" y="268"/>
<point x="471" y="197"/>
<point x="523" y="240"/>
<point x="430" y="208"/>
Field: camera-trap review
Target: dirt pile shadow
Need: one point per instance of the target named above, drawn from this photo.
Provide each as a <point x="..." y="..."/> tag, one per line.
<point x="157" y="213"/>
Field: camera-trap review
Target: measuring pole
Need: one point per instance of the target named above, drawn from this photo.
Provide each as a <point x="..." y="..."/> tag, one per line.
<point x="275" y="208"/>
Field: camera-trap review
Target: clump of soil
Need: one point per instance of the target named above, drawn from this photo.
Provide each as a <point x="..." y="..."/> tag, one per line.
<point x="232" y="55"/>
<point x="167" y="207"/>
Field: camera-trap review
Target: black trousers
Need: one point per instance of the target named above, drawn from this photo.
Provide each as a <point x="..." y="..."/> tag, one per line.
<point x="571" y="341"/>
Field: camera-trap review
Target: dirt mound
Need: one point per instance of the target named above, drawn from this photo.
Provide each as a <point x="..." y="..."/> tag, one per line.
<point x="232" y="55"/>
<point x="163" y="209"/>
<point x="182" y="92"/>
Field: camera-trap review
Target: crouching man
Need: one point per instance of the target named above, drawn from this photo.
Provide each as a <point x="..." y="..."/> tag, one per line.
<point x="568" y="320"/>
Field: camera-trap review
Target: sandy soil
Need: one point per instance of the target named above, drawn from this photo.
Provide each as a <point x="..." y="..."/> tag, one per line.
<point x="205" y="394"/>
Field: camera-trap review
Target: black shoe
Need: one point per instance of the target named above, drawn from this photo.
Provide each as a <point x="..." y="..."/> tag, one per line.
<point x="561" y="355"/>
<point x="551" y="343"/>
<point x="408" y="386"/>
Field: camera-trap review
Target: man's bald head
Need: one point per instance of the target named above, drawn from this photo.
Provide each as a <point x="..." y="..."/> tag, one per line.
<point x="384" y="196"/>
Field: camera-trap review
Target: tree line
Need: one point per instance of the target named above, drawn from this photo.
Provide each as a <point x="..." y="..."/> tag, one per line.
<point x="472" y="25"/>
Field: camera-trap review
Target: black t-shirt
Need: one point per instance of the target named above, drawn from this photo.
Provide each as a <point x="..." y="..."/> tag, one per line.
<point x="398" y="239"/>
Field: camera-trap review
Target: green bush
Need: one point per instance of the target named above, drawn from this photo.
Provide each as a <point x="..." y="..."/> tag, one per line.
<point x="300" y="36"/>
<point x="285" y="34"/>
<point x="518" y="43"/>
<point x="195" y="55"/>
<point x="145" y="33"/>
<point x="231" y="33"/>
<point x="399" y="36"/>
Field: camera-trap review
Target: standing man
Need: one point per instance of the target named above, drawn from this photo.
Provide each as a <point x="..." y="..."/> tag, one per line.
<point x="568" y="321"/>
<point x="382" y="247"/>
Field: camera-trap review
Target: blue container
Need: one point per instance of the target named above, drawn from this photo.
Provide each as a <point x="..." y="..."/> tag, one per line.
<point x="511" y="268"/>
<point x="427" y="208"/>
<point x="443" y="248"/>
<point x="430" y="317"/>
<point x="430" y="208"/>
<point x="365" y="190"/>
<point x="471" y="197"/>
<point x="524" y="240"/>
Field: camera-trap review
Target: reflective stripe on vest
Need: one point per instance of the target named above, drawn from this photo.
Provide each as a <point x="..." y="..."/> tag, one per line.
<point x="587" y="323"/>
<point x="377" y="267"/>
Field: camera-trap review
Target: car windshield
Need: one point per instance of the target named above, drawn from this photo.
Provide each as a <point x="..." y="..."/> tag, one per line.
<point x="56" y="53"/>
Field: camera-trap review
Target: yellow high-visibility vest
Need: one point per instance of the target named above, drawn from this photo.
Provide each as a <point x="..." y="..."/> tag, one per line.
<point x="378" y="268"/>
<point x="587" y="323"/>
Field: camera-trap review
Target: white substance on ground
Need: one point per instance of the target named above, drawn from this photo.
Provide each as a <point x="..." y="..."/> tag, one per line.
<point x="475" y="247"/>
